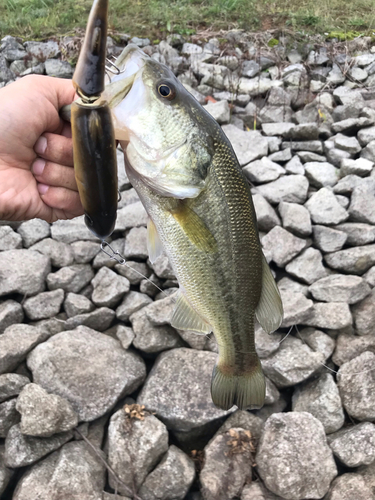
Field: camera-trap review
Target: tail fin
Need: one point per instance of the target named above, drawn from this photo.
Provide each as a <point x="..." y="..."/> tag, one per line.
<point x="246" y="391"/>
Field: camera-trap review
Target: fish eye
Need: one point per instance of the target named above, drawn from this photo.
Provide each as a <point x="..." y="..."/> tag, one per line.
<point x="167" y="91"/>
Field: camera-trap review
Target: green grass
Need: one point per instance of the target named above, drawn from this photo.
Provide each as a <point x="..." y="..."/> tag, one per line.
<point x="38" y="19"/>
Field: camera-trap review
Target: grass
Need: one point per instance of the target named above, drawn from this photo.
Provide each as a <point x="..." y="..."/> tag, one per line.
<point x="39" y="19"/>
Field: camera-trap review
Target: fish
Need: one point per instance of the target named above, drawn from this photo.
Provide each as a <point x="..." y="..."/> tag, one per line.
<point x="201" y="214"/>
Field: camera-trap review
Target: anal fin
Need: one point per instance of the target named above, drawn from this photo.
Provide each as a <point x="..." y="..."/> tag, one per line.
<point x="269" y="311"/>
<point x="185" y="318"/>
<point x="154" y="244"/>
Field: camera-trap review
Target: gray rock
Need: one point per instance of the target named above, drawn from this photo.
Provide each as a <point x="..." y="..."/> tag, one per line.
<point x="59" y="69"/>
<point x="68" y="364"/>
<point x="219" y="111"/>
<point x="248" y="146"/>
<point x="42" y="50"/>
<point x="313" y="146"/>
<point x="6" y="74"/>
<point x="245" y="420"/>
<point x="267" y="217"/>
<point x="308" y="157"/>
<point x="133" y="271"/>
<point x="160" y="312"/>
<point x="23" y="450"/>
<point x="77" y="304"/>
<point x="124" y="334"/>
<point x="370" y="276"/>
<point x="171" y="478"/>
<point x="71" y="278"/>
<point x="321" y="174"/>
<point x="349" y="347"/>
<point x="297" y="308"/>
<point x="318" y="57"/>
<point x="9" y="239"/>
<point x="136" y="243"/>
<point x="250" y="69"/>
<point x="23" y="271"/>
<point x="277" y="128"/>
<point x="128" y="459"/>
<point x="351" y="125"/>
<point x="10" y="312"/>
<point x="264" y="170"/>
<point x="109" y="288"/>
<point x="162" y="267"/>
<point x="325" y="209"/>
<point x="289" y="188"/>
<point x="328" y="239"/>
<point x="257" y="86"/>
<point x="349" y="486"/>
<point x="340" y="288"/>
<point x="265" y="344"/>
<point x="282" y="246"/>
<point x="99" y="319"/>
<point x="133" y="215"/>
<point x="5" y="473"/>
<point x="8" y="416"/>
<point x="84" y="251"/>
<point x="355" y="260"/>
<point x="337" y="156"/>
<point x="152" y="285"/>
<point x="33" y="230"/>
<point x="345" y="95"/>
<point x="321" y="399"/>
<point x="294" y="166"/>
<point x="257" y="491"/>
<point x="308" y="266"/>
<point x="303" y="132"/>
<point x="348" y="144"/>
<point x="226" y="469"/>
<point x="347" y="184"/>
<point x="281" y="156"/>
<point x="168" y="390"/>
<point x="132" y="302"/>
<point x="44" y="305"/>
<point x="354" y="446"/>
<point x="102" y="259"/>
<point x="11" y="385"/>
<point x="364" y="315"/>
<point x="16" y="342"/>
<point x="358" y="74"/>
<point x="73" y="472"/>
<point x="344" y="112"/>
<point x="69" y="231"/>
<point x="366" y="135"/>
<point x="332" y="315"/>
<point x="318" y="341"/>
<point x="362" y="205"/>
<point x="361" y="167"/>
<point x="343" y="200"/>
<point x="296" y="218"/>
<point x="60" y="253"/>
<point x="295" y="441"/>
<point x="356" y="382"/>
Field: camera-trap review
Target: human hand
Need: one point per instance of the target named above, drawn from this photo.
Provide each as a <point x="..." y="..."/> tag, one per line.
<point x="36" y="152"/>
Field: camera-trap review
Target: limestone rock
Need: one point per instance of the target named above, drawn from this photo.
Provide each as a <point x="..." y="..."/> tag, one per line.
<point x="109" y="288"/>
<point x="282" y="246"/>
<point x="325" y="209"/>
<point x="71" y="278"/>
<point x="349" y="486"/>
<point x="296" y="218"/>
<point x="248" y="146"/>
<point x="364" y="315"/>
<point x="354" y="445"/>
<point x="10" y="312"/>
<point x="60" y="253"/>
<point x="355" y="260"/>
<point x="340" y="288"/>
<point x="33" y="230"/>
<point x="11" y="385"/>
<point x="308" y="266"/>
<point x="44" y="305"/>
<point x="289" y="188"/>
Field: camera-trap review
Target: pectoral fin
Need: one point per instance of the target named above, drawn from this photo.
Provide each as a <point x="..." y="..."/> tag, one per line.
<point x="194" y="228"/>
<point x="185" y="318"/>
<point x="269" y="311"/>
<point x="154" y="244"/>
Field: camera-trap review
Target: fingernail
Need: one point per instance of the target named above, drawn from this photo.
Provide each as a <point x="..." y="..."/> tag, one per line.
<point x="42" y="188"/>
<point x="40" y="145"/>
<point x="38" y="166"/>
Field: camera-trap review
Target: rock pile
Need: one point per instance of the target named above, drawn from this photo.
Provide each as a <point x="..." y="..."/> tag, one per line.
<point x="87" y="354"/>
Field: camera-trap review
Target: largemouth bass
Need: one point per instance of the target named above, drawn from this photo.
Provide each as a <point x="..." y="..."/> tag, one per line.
<point x="201" y="212"/>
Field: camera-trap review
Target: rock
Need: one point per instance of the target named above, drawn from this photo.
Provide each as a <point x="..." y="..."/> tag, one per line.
<point x="287" y="284"/>
<point x="295" y="441"/>
<point x="347" y="184"/>
<point x="321" y="399"/>
<point x="370" y="276"/>
<point x="265" y="344"/>
<point x="16" y="342"/>
<point x="325" y="209"/>
<point x="77" y="304"/>
<point x="313" y="146"/>
<point x="349" y="347"/>
<point x="297" y="308"/>
<point x="132" y="302"/>
<point x="136" y="243"/>
<point x="318" y="341"/>
<point x="264" y="170"/>
<point x="245" y="420"/>
<point x="33" y="230"/>
<point x="267" y="218"/>
<point x="71" y="278"/>
<point x="162" y="267"/>
<point x="292" y="363"/>
<point x="131" y="462"/>
<point x="355" y="445"/>
<point x="294" y="166"/>
<point x="5" y="473"/>
<point x="321" y="174"/>
<point x="84" y="251"/>
<point x="124" y="334"/>
<point x="133" y="271"/>
<point x="356" y="382"/>
<point x="219" y="111"/>
<point x="257" y="491"/>
<point x="171" y="478"/>
<point x="109" y="288"/>
<point x="61" y="254"/>
<point x="308" y="266"/>
<point x="23" y="271"/>
<point x="23" y="450"/>
<point x="73" y="472"/>
<point x="133" y="215"/>
<point x="328" y="239"/>
<point x="364" y="315"/>
<point x="103" y="259"/>
<point x="282" y="128"/>
<point x="169" y="393"/>
<point x="9" y="240"/>
<point x="296" y="218"/>
<point x="362" y="206"/>
<point x="340" y="288"/>
<point x="289" y="188"/>
<point x="361" y="167"/>
<point x="59" y="69"/>
<point x="44" y="305"/>
<point x="369" y="151"/>
<point x="355" y="260"/>
<point x="227" y="465"/>
<point x="366" y="135"/>
<point x="256" y="86"/>
<point x="348" y="144"/>
<point x="11" y="385"/>
<point x="303" y="132"/>
<point x="43" y="414"/>
<point x="69" y="231"/>
<point x="10" y="312"/>
<point x="160" y="312"/>
<point x="8" y="416"/>
<point x="68" y="364"/>
<point x="248" y="146"/>
<point x="280" y="156"/>
<point x="349" y="486"/>
<point x="282" y="246"/>
<point x="99" y="319"/>
<point x="332" y="315"/>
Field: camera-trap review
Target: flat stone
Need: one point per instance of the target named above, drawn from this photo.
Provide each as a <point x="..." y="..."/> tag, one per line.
<point x="74" y="470"/>
<point x="331" y="315"/>
<point x="281" y="156"/>
<point x="364" y="315"/>
<point x="11" y="385"/>
<point x="355" y="260"/>
<point x="321" y="399"/>
<point x="325" y="209"/>
<point x="295" y="441"/>
<point x="321" y="174"/>
<point x="358" y="74"/>
<point x="281" y="128"/>
<point x="349" y="486"/>
<point x="61" y="254"/>
<point x="360" y="166"/>
<point x="8" y="416"/>
<point x="308" y="157"/>
<point x="68" y="364"/>
<point x="356" y="382"/>
<point x="362" y="205"/>
<point x="297" y="308"/>
<point x="289" y="188"/>
<point x="44" y="305"/>
<point x="57" y="68"/>
<point x="340" y="288"/>
<point x="69" y="231"/>
<point x="348" y="144"/>
<point x="328" y="239"/>
<point x="71" y="278"/>
<point x="287" y="284"/>
<point x="23" y="271"/>
<point x="9" y="239"/>
<point x="257" y="86"/>
<point x="32" y="231"/>
<point x="351" y="125"/>
<point x="128" y="459"/>
<point x="282" y="246"/>
<point x="10" y="312"/>
<point x="267" y="217"/>
<point x="303" y="132"/>
<point x="98" y="319"/>
<point x="43" y="50"/>
<point x="308" y="266"/>
<point x="344" y="112"/>
<point x="346" y="185"/>
<point x="313" y="146"/>
<point x="294" y="166"/>
<point x="248" y="146"/>
<point x="296" y="218"/>
<point x="264" y="170"/>
<point x="355" y="445"/>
